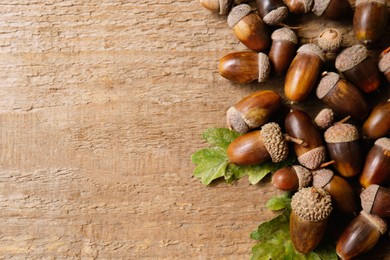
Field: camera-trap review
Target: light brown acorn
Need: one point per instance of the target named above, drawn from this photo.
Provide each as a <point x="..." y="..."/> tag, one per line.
<point x="376" y="200"/>
<point x="273" y="12"/>
<point x="249" y="28"/>
<point x="369" y="20"/>
<point x="311" y="208"/>
<point x="324" y="119"/>
<point x="245" y="67"/>
<point x="330" y="41"/>
<point x="253" y="110"/>
<point x="299" y="6"/>
<point x="284" y="42"/>
<point x="332" y="9"/>
<point x="360" y="236"/>
<point x="342" y="141"/>
<point x="303" y="72"/>
<point x="259" y="146"/>
<point x="377" y="124"/>
<point x="359" y="68"/>
<point x="377" y="165"/>
<point x="292" y="178"/>
<point x="311" y="153"/>
<point x="342" y="96"/>
<point x="217" y="6"/>
<point x="342" y="193"/>
<point x="384" y="63"/>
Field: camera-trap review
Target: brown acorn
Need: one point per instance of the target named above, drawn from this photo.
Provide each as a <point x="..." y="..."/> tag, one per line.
<point x="324" y="118"/>
<point x="342" y="193"/>
<point x="369" y="20"/>
<point x="311" y="208"/>
<point x="249" y="28"/>
<point x="342" y="97"/>
<point x="312" y="152"/>
<point x="330" y="41"/>
<point x="282" y="50"/>
<point x="292" y="178"/>
<point x="303" y="72"/>
<point x="299" y="6"/>
<point x="253" y="111"/>
<point x="332" y="9"/>
<point x="245" y="67"/>
<point x="359" y="68"/>
<point x="384" y="63"/>
<point x="377" y="166"/>
<point x="272" y="12"/>
<point x="259" y="146"/>
<point x="360" y="236"/>
<point x="376" y="200"/>
<point x="217" y="6"/>
<point x="342" y="141"/>
<point x="377" y="124"/>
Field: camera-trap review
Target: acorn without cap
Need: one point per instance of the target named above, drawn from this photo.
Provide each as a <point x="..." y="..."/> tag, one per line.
<point x="377" y="124"/>
<point x="384" y="63"/>
<point x="359" y="68"/>
<point x="311" y="208"/>
<point x="259" y="146"/>
<point x="332" y="9"/>
<point x="272" y="12"/>
<point x="299" y="6"/>
<point x="292" y="178"/>
<point x="376" y="200"/>
<point x="249" y="28"/>
<point x="217" y="6"/>
<point x="342" y="97"/>
<point x="253" y="111"/>
<point x="245" y="67"/>
<point x="324" y="118"/>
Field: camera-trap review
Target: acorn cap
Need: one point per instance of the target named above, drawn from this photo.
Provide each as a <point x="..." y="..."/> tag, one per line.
<point x="284" y="34"/>
<point x="224" y="6"/>
<point x="350" y="57"/>
<point x="237" y="13"/>
<point x="304" y="176"/>
<point x="326" y="84"/>
<point x="264" y="67"/>
<point x="341" y="133"/>
<point x="235" y="121"/>
<point x="330" y="40"/>
<point x="367" y="197"/>
<point x="384" y="143"/>
<point x="312" y="48"/>
<point x="381" y="2"/>
<point x="276" y="16"/>
<point x="312" y="204"/>
<point x="320" y="6"/>
<point x="313" y="158"/>
<point x="322" y="177"/>
<point x="274" y="141"/>
<point x="384" y="62"/>
<point x="325" y="118"/>
<point x="378" y="222"/>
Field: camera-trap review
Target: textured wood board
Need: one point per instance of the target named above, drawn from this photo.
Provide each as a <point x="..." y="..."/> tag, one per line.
<point x="102" y="104"/>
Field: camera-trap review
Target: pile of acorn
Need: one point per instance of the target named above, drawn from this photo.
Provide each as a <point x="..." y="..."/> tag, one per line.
<point x="322" y="188"/>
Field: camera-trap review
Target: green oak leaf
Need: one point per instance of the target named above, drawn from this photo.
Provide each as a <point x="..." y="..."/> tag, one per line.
<point x="221" y="137"/>
<point x="279" y="202"/>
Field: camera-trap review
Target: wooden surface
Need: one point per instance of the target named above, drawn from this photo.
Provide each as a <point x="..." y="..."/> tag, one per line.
<point x="102" y="104"/>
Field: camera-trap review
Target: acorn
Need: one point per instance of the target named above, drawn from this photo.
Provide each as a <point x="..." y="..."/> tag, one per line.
<point x="377" y="124"/>
<point x="282" y="50"/>
<point x="360" y="236"/>
<point x="359" y="68"/>
<point x="311" y="208"/>
<point x="299" y="6"/>
<point x="303" y="72"/>
<point x="377" y="166"/>
<point x="324" y="118"/>
<point x="311" y="153"/>
<point x="342" y="141"/>
<point x="369" y="20"/>
<point x="292" y="178"/>
<point x="253" y="111"/>
<point x="330" y="41"/>
<point x="342" y="96"/>
<point x="339" y="189"/>
<point x="259" y="146"/>
<point x="249" y="28"/>
<point x="384" y="63"/>
<point x="245" y="67"/>
<point x="376" y="200"/>
<point x="217" y="6"/>
<point x="332" y="9"/>
<point x="273" y="12"/>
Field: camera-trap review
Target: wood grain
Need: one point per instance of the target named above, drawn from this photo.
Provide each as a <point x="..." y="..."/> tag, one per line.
<point x="102" y="104"/>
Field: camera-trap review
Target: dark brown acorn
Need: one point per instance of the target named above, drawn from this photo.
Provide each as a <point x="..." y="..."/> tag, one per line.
<point x="311" y="153"/>
<point x="303" y="72"/>
<point x="369" y="20"/>
<point x="311" y="208"/>
<point x="273" y="12"/>
<point x="342" y="193"/>
<point x="342" y="97"/>
<point x="253" y="111"/>
<point x="376" y="200"/>
<point x="330" y="41"/>
<point x="292" y="178"/>
<point x="359" y="68"/>
<point x="332" y="9"/>
<point x="384" y="63"/>
<point x="245" y="67"/>
<point x="249" y="28"/>
<point x="360" y="236"/>
<point x="282" y="50"/>
<point x="342" y="141"/>
<point x="377" y="124"/>
<point x="324" y="118"/>
<point x="259" y="146"/>
<point x="217" y="6"/>
<point x="377" y="166"/>
<point x="299" y="6"/>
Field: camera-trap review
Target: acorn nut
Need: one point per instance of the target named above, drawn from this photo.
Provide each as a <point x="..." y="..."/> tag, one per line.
<point x="324" y="118"/>
<point x="273" y="12"/>
<point x="299" y="6"/>
<point x="377" y="124"/>
<point x="384" y="63"/>
<point x="330" y="41"/>
<point x="282" y="50"/>
<point x="376" y="200"/>
<point x="253" y="110"/>
<point x="332" y="9"/>
<point x="217" y="6"/>
<point x="292" y="178"/>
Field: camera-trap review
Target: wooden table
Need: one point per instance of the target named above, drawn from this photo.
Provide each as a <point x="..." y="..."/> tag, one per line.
<point x="102" y="104"/>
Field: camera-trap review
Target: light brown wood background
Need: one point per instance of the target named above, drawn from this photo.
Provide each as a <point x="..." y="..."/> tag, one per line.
<point x="101" y="105"/>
